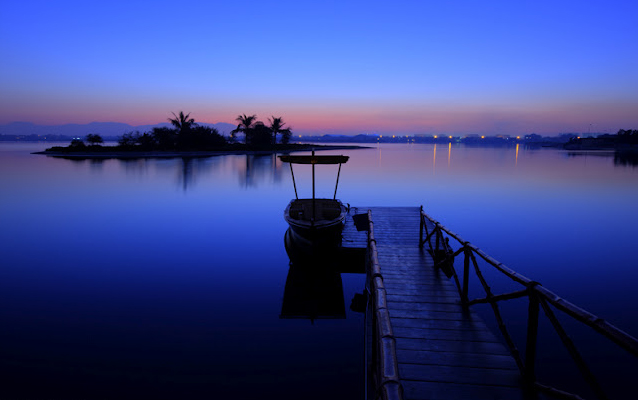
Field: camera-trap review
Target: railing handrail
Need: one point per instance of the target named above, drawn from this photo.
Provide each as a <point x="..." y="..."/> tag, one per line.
<point x="538" y="295"/>
<point x="387" y="385"/>
<point x="617" y="335"/>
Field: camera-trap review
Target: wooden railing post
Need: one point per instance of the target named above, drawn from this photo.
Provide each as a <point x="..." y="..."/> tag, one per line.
<point x="573" y="352"/>
<point x="466" y="273"/>
<point x="421" y="226"/>
<point x="529" y="374"/>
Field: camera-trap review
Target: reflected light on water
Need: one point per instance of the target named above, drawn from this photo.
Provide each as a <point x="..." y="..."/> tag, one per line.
<point x="434" y="160"/>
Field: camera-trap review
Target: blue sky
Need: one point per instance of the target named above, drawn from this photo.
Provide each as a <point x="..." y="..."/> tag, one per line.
<point x="494" y="67"/>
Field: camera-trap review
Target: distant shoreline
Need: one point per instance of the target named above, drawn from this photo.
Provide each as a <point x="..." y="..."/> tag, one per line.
<point x="186" y="154"/>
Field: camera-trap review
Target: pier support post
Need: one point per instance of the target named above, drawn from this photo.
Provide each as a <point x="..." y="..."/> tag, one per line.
<point x="466" y="274"/>
<point x="529" y="375"/>
<point x="421" y="226"/>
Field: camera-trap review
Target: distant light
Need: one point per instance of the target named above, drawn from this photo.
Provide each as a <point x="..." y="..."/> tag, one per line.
<point x="436" y="137"/>
<point x="518" y="137"/>
<point x="450" y="137"/>
<point x="577" y="137"/>
<point x="482" y="137"/>
<point x="393" y="136"/>
<point x="380" y="136"/>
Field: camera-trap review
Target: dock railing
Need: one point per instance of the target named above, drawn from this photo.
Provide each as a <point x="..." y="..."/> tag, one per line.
<point x="437" y="240"/>
<point x="384" y="359"/>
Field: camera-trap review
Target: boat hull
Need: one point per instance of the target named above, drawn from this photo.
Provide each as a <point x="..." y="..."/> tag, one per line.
<point x="314" y="226"/>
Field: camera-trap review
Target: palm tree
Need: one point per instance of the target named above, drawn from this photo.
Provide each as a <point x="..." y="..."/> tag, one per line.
<point x="277" y="126"/>
<point x="245" y="126"/>
<point x="181" y="122"/>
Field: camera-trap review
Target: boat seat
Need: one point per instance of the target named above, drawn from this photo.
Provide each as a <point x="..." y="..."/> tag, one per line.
<point x="323" y="211"/>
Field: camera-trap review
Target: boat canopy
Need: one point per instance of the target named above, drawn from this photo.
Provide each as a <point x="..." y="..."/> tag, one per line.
<point x="330" y="159"/>
<point x="313" y="160"/>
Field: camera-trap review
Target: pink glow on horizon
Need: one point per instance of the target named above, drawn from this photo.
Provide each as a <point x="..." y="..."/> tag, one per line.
<point x="348" y="118"/>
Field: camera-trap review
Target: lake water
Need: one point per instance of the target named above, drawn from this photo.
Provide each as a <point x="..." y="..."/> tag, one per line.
<point x="164" y="278"/>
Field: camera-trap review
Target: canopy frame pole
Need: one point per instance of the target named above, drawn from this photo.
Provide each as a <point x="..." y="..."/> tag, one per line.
<point x="337" y="184"/>
<point x="293" y="181"/>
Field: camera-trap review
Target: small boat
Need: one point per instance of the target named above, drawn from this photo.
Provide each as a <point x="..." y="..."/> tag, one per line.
<point x="314" y="222"/>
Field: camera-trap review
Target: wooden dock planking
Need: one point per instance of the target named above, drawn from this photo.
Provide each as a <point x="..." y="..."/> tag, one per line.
<point x="350" y="237"/>
<point x="443" y="351"/>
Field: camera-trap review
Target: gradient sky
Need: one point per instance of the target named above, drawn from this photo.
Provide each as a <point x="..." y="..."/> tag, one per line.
<point x="492" y="67"/>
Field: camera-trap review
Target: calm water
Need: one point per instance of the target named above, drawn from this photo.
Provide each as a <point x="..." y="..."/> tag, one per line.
<point x="165" y="278"/>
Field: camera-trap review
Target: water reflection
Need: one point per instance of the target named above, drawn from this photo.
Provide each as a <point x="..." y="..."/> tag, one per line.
<point x="313" y="292"/>
<point x="314" y="288"/>
<point x="626" y="159"/>
<point x="434" y="160"/>
<point x="621" y="158"/>
<point x="251" y="169"/>
<point x="258" y="167"/>
<point x="134" y="166"/>
<point x="192" y="168"/>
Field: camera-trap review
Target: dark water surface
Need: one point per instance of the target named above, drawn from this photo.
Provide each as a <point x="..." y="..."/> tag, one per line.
<point x="165" y="278"/>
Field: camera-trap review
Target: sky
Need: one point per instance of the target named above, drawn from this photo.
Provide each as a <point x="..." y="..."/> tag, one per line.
<point x="349" y="67"/>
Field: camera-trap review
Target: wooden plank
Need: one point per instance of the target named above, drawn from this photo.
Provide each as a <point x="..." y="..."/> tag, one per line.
<point x="431" y="315"/>
<point x="414" y="390"/>
<point x="419" y="291"/>
<point x="450" y="346"/>
<point x="423" y="286"/>
<point x="467" y="325"/>
<point x="462" y="375"/>
<point x="445" y="334"/>
<point x="450" y="308"/>
<point x="425" y="357"/>
<point x="438" y="297"/>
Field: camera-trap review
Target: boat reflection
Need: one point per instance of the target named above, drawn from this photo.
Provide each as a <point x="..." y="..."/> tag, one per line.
<point x="313" y="293"/>
<point x="314" y="288"/>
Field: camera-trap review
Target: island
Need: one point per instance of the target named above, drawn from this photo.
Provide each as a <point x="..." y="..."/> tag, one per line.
<point x="186" y="138"/>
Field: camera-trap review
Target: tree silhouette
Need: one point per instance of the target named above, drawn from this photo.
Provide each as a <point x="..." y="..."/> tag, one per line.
<point x="205" y="137"/>
<point x="129" y="139"/>
<point x="285" y="136"/>
<point x="277" y="126"/>
<point x="94" y="139"/>
<point x="181" y="122"/>
<point x="245" y="126"/>
<point x="146" y="140"/>
<point x="165" y="138"/>
<point x="77" y="143"/>
<point x="260" y="135"/>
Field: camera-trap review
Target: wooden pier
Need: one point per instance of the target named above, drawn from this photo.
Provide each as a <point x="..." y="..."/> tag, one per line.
<point x="423" y="338"/>
<point x="440" y="349"/>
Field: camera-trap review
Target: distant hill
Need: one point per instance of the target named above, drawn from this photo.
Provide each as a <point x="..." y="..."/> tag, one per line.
<point x="105" y="129"/>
